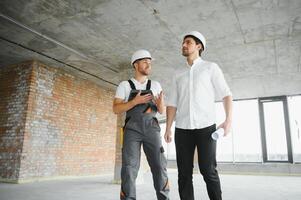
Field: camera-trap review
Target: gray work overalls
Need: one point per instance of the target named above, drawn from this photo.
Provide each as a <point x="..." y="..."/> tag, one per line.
<point x="142" y="128"/>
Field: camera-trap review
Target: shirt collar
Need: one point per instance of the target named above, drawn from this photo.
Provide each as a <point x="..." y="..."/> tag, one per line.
<point x="196" y="61"/>
<point x="137" y="82"/>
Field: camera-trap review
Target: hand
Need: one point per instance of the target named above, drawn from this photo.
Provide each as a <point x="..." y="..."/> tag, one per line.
<point x="167" y="136"/>
<point x="226" y="125"/>
<point x="159" y="99"/>
<point x="140" y="99"/>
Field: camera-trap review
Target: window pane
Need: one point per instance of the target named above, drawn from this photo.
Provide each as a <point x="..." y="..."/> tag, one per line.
<point x="224" y="146"/>
<point x="170" y="148"/>
<point x="294" y="104"/>
<point x="275" y="131"/>
<point x="246" y="131"/>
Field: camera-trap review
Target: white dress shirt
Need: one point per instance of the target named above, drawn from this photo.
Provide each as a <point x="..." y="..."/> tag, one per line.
<point x="124" y="88"/>
<point x="194" y="91"/>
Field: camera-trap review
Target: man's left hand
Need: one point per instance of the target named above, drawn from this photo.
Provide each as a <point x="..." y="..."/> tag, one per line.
<point x="226" y="125"/>
<point x="159" y="99"/>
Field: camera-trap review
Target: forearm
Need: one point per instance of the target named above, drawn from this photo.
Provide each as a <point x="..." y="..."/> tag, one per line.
<point x="170" y="116"/>
<point x="119" y="108"/>
<point x="227" y="101"/>
<point x="160" y="107"/>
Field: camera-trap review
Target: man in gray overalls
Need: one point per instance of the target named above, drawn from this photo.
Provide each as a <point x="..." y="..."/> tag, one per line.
<point x="141" y="99"/>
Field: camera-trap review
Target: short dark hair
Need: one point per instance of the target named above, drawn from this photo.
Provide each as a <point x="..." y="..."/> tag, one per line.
<point x="197" y="41"/>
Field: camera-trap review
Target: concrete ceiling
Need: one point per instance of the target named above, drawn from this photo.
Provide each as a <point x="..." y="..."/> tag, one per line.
<point x="257" y="43"/>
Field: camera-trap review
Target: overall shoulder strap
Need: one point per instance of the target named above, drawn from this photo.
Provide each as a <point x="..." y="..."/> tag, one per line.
<point x="148" y="86"/>
<point x="132" y="84"/>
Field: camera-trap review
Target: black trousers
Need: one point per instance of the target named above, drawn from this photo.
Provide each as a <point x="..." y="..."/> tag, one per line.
<point x="186" y="142"/>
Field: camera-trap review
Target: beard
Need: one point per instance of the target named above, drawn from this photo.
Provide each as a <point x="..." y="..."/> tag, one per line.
<point x="185" y="53"/>
<point x="144" y="72"/>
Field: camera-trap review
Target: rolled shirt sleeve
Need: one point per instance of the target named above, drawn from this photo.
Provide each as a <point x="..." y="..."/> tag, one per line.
<point x="121" y="91"/>
<point x="171" y="93"/>
<point x="220" y="85"/>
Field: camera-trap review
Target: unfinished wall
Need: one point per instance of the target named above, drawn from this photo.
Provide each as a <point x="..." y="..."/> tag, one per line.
<point x="14" y="90"/>
<point x="70" y="129"/>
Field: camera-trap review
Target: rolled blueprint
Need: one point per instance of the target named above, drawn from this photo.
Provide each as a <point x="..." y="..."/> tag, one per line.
<point x="219" y="133"/>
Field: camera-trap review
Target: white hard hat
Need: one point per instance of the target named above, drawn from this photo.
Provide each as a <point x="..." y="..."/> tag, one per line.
<point x="199" y="36"/>
<point x="139" y="55"/>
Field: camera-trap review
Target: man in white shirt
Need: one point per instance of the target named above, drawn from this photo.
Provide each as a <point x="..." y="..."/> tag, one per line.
<point x="192" y="104"/>
<point x="141" y="99"/>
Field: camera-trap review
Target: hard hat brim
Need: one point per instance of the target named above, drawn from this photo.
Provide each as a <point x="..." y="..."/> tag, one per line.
<point x="142" y="59"/>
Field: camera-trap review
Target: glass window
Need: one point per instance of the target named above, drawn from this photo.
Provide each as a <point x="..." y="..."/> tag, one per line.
<point x="170" y="149"/>
<point x="224" y="152"/>
<point x="244" y="142"/>
<point x="294" y="104"/>
<point x="246" y="131"/>
<point x="275" y="131"/>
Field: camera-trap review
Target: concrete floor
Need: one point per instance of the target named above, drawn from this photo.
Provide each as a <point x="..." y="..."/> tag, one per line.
<point x="235" y="187"/>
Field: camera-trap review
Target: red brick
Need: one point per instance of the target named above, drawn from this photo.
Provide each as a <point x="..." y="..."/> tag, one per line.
<point x="67" y="126"/>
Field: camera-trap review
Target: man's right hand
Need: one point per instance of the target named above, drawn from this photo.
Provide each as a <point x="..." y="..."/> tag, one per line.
<point x="120" y="106"/>
<point x="167" y="136"/>
<point x="140" y="99"/>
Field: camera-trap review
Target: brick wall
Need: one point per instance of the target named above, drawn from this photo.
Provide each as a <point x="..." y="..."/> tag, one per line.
<point x="118" y="155"/>
<point x="14" y="87"/>
<point x="70" y="128"/>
